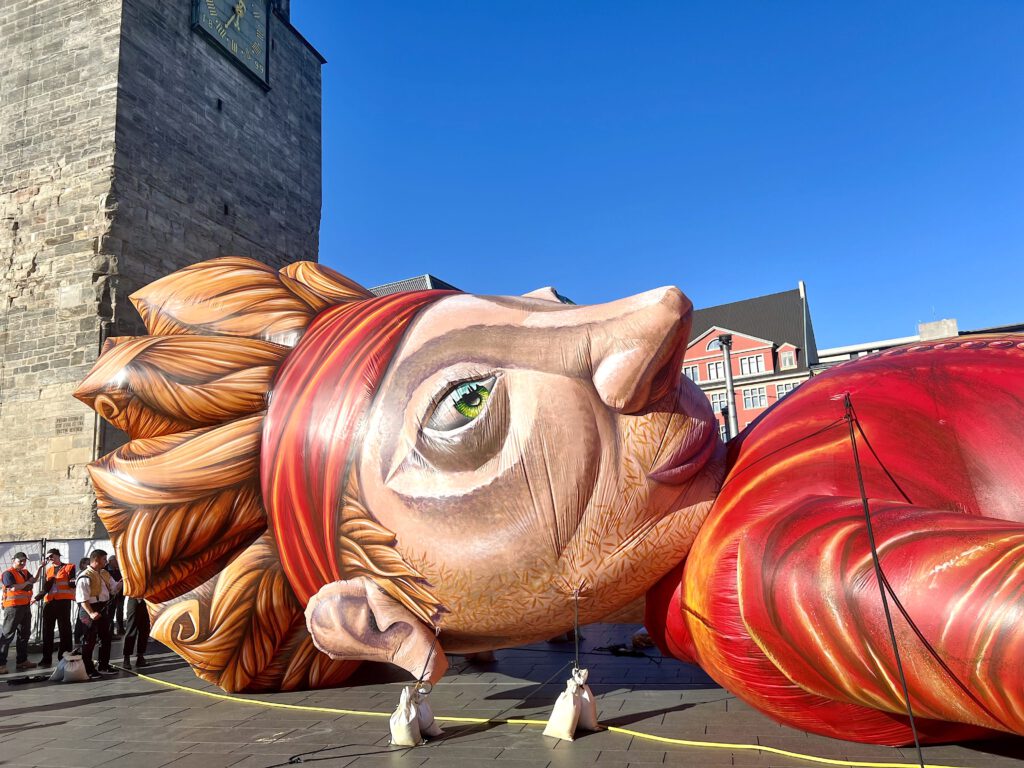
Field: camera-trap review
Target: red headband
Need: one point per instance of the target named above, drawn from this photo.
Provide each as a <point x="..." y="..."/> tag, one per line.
<point x="318" y="406"/>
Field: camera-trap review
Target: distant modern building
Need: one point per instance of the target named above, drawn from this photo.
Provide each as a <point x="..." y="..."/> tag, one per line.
<point x="937" y="329"/>
<point x="772" y="352"/>
<point x="418" y="283"/>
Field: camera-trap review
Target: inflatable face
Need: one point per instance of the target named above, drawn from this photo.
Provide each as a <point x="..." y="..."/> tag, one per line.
<point x="522" y="450"/>
<point x="391" y="467"/>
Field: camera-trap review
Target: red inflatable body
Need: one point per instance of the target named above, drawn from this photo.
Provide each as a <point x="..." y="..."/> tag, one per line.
<point x="778" y="599"/>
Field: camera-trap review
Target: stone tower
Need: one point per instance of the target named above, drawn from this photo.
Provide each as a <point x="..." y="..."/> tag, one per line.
<point x="132" y="142"/>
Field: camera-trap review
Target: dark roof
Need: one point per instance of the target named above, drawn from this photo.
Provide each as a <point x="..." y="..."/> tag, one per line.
<point x="1012" y="328"/>
<point x="421" y="283"/>
<point x="777" y="317"/>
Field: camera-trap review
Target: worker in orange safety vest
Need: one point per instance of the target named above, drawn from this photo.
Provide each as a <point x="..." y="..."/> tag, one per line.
<point x="17" y="602"/>
<point x="58" y="593"/>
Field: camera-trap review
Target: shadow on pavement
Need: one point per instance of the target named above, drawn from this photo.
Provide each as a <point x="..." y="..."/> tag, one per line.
<point x="88" y="701"/>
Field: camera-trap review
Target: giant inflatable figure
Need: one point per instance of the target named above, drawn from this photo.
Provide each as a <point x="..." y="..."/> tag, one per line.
<point x="317" y="476"/>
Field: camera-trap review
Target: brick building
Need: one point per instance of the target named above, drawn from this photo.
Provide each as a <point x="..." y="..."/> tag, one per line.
<point x="773" y="351"/>
<point x="132" y="143"/>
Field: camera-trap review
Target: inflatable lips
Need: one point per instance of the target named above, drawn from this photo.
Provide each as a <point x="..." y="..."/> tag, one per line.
<point x="697" y="447"/>
<point x="318" y="476"/>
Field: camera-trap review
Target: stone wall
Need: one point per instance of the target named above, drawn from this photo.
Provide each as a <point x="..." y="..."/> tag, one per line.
<point x="208" y="163"/>
<point x="58" y="81"/>
<point x="129" y="147"/>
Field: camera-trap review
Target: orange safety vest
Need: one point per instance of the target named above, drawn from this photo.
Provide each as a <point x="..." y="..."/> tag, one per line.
<point x="62" y="588"/>
<point x="21" y="597"/>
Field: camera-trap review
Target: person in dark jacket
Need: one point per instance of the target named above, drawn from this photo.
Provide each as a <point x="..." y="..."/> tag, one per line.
<point x="136" y="636"/>
<point x="117" y="601"/>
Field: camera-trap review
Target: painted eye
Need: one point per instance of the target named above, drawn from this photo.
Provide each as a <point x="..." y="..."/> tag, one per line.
<point x="462" y="404"/>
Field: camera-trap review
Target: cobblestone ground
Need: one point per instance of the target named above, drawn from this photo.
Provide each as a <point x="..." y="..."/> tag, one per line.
<point x="131" y="722"/>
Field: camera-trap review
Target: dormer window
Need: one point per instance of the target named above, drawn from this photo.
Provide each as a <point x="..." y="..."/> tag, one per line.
<point x="787" y="359"/>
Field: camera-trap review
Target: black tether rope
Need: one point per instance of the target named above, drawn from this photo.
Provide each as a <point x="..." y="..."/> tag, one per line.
<point x="430" y="655"/>
<point x="902" y="609"/>
<point x="576" y="627"/>
<point x="880" y="576"/>
<point x="733" y="475"/>
<point x="877" y="458"/>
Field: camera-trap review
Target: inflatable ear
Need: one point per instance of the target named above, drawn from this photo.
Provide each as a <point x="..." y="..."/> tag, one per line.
<point x="355" y="619"/>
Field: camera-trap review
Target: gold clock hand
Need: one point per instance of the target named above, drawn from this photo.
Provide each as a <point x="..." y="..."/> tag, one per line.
<point x="232" y="18"/>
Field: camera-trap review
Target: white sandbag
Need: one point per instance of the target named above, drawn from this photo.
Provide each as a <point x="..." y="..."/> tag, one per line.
<point x="58" y="672"/>
<point x="428" y="726"/>
<point x="565" y="715"/>
<point x="405" y="726"/>
<point x="74" y="668"/>
<point x="588" y="705"/>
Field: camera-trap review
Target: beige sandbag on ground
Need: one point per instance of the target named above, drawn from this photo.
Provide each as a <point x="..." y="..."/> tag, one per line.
<point x="70" y="669"/>
<point x="405" y="724"/>
<point x="428" y="726"/>
<point x="588" y="705"/>
<point x="566" y="714"/>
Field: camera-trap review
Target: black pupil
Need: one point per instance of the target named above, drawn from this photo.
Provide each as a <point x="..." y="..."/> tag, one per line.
<point x="471" y="399"/>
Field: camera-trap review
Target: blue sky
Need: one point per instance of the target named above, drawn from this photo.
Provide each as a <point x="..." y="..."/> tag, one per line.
<point x="873" y="150"/>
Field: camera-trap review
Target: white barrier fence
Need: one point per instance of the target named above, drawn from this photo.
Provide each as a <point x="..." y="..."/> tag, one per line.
<point x="71" y="551"/>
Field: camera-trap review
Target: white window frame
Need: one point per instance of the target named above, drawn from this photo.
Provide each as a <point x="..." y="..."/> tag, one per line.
<point x="723" y="432"/>
<point x="751" y="364"/>
<point x="719" y="400"/>
<point x="714" y="345"/>
<point x="781" y="390"/>
<point x="694" y="370"/>
<point x="783" y="365"/>
<point x="752" y="395"/>
<point x="718" y="366"/>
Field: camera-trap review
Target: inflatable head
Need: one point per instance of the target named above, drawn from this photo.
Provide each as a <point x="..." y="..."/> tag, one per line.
<point x="317" y="475"/>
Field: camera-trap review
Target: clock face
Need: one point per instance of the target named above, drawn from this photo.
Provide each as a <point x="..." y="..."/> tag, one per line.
<point x="239" y="28"/>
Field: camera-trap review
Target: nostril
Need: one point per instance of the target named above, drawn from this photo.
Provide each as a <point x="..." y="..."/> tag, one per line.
<point x="374" y="626"/>
<point x="667" y="378"/>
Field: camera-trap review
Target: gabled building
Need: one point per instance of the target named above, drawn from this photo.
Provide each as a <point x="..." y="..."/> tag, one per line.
<point x="773" y="349"/>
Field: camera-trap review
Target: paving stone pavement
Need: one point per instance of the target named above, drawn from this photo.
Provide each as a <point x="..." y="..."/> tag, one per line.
<point x="129" y="722"/>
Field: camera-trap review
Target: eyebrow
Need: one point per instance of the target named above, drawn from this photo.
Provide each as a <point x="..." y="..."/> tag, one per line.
<point x="465" y="344"/>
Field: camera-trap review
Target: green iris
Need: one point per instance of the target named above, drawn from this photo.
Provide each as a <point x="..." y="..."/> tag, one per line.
<point x="462" y="404"/>
<point x="469" y="398"/>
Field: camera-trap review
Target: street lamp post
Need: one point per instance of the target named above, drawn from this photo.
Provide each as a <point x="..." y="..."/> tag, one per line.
<point x="725" y="340"/>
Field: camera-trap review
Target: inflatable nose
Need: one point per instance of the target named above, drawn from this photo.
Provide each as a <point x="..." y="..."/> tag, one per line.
<point x="637" y="345"/>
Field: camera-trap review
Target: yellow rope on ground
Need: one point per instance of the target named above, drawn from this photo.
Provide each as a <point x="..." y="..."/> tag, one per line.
<point x="520" y="721"/>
